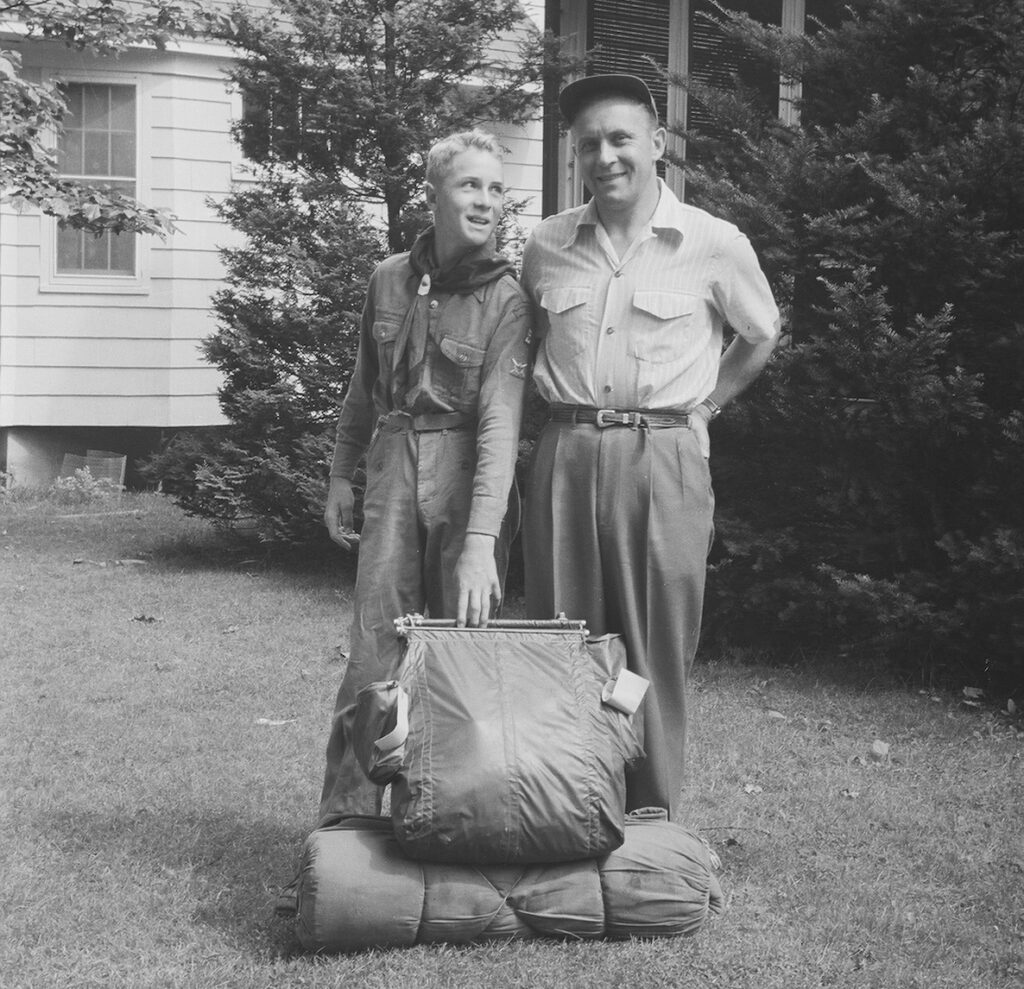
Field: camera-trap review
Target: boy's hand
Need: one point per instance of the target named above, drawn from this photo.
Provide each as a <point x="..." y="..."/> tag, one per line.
<point x="476" y="580"/>
<point x="338" y="513"/>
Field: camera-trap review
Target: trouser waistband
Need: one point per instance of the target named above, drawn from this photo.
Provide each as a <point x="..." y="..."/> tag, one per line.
<point x="633" y="418"/>
<point x="427" y="422"/>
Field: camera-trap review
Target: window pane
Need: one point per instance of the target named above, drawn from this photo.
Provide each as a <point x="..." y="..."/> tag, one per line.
<point x="73" y="96"/>
<point x="97" y="250"/>
<point x="69" y="250"/>
<point x="122" y="154"/>
<point x="122" y="108"/>
<point x="96" y="111"/>
<point x="97" y="153"/>
<point x="122" y="253"/>
<point x="69" y="152"/>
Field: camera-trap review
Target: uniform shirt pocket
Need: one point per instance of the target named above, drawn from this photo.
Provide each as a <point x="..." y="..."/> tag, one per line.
<point x="385" y="332"/>
<point x="662" y="331"/>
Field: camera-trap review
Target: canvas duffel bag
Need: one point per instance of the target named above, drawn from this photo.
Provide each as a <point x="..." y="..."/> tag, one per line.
<point x="503" y="745"/>
<point x="357" y="890"/>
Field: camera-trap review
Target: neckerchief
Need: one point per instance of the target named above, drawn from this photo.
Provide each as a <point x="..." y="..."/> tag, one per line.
<point x="466" y="275"/>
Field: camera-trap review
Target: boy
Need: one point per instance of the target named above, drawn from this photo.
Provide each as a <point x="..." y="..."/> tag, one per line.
<point x="435" y="404"/>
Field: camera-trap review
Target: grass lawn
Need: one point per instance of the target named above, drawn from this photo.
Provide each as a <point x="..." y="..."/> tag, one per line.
<point x="165" y="702"/>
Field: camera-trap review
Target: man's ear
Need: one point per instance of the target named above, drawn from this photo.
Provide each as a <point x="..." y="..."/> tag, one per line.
<point x="660" y="140"/>
<point x="430" y="194"/>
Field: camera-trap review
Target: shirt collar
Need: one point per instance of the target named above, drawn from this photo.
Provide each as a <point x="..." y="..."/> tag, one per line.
<point x="667" y="216"/>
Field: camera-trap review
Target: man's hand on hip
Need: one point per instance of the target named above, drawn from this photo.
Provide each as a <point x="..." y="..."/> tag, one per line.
<point x="476" y="581"/>
<point x="699" y="419"/>
<point x="338" y="513"/>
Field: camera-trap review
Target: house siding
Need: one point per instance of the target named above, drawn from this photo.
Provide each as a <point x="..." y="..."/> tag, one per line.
<point x="131" y="357"/>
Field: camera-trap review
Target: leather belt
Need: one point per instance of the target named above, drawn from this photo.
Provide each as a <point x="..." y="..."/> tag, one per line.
<point x="633" y="418"/>
<point x="427" y="422"/>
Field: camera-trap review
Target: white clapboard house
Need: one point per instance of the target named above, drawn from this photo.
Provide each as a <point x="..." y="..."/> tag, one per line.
<point x="99" y="337"/>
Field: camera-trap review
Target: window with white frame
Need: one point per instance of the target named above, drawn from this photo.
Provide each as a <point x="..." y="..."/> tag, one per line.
<point x="98" y="147"/>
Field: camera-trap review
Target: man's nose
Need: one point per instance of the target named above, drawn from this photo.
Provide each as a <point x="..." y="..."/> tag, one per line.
<point x="606" y="153"/>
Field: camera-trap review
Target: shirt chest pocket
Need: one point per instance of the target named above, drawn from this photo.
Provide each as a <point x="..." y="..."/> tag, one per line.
<point x="385" y="333"/>
<point x="454" y="374"/>
<point x="566" y="311"/>
<point x="663" y="326"/>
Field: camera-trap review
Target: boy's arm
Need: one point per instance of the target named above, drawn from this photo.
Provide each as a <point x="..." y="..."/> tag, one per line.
<point x="355" y="429"/>
<point x="499" y="414"/>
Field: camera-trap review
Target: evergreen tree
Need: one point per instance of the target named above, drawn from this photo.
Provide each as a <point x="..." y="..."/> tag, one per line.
<point x="871" y="486"/>
<point x="341" y="103"/>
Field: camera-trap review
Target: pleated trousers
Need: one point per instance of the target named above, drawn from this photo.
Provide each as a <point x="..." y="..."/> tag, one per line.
<point x="617" y="527"/>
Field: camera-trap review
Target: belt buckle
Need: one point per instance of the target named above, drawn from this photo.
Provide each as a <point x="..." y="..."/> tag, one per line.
<point x="609" y="417"/>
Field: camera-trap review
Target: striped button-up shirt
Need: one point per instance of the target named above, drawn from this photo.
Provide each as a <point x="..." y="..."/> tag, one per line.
<point x="643" y="331"/>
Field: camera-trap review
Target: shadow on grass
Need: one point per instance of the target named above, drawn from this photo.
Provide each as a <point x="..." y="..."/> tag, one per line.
<point x="226" y="869"/>
<point x="211" y="550"/>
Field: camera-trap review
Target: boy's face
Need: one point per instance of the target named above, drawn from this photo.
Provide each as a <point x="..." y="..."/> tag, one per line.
<point x="466" y="203"/>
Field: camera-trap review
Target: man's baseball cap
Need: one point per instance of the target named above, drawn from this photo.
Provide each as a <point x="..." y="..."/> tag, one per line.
<point x="572" y="98"/>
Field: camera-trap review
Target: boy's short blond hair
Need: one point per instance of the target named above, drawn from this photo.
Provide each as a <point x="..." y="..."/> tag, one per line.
<point x="441" y="154"/>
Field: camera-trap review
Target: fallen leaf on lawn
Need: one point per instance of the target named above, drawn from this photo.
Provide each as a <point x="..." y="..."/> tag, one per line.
<point x="777" y="715"/>
<point x="973" y="693"/>
<point x="752" y="788"/>
<point x="849" y="794"/>
<point x="163" y="667"/>
<point x="147" y="619"/>
<point x="879" y="751"/>
<point x="336" y="654"/>
<point x="95" y="563"/>
<point x="1011" y="708"/>
<point x="129" y="563"/>
<point x="229" y="630"/>
<point x="276" y="722"/>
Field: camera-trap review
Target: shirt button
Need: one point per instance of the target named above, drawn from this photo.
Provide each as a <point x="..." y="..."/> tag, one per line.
<point x="611" y="329"/>
<point x="607" y="388"/>
<point x="433" y="303"/>
<point x="618" y="274"/>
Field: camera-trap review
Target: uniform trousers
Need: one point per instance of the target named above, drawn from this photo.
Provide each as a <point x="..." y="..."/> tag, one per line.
<point x="419" y="488"/>
<point x="616" y="531"/>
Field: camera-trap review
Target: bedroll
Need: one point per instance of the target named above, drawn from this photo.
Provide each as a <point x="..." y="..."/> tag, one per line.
<point x="357" y="890"/>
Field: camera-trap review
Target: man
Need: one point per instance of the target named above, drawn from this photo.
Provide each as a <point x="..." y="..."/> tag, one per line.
<point x="435" y="405"/>
<point x="632" y="292"/>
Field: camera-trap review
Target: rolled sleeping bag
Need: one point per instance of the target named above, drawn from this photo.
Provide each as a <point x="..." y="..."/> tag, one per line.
<point x="358" y="890"/>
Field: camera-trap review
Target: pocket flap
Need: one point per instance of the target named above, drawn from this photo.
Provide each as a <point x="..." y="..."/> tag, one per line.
<point x="563" y="298"/>
<point x="385" y="332"/>
<point x="461" y="353"/>
<point x="665" y="305"/>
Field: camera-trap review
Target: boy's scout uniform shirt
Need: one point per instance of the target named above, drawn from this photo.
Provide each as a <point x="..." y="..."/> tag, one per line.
<point x="472" y="359"/>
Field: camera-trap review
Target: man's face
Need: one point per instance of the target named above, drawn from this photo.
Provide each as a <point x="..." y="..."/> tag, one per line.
<point x="617" y="144"/>
<point x="466" y="203"/>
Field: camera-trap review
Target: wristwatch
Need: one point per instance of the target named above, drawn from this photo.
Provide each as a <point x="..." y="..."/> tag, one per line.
<point x="714" y="409"/>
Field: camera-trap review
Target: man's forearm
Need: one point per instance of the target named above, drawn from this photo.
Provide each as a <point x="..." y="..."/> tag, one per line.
<point x="741" y="364"/>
